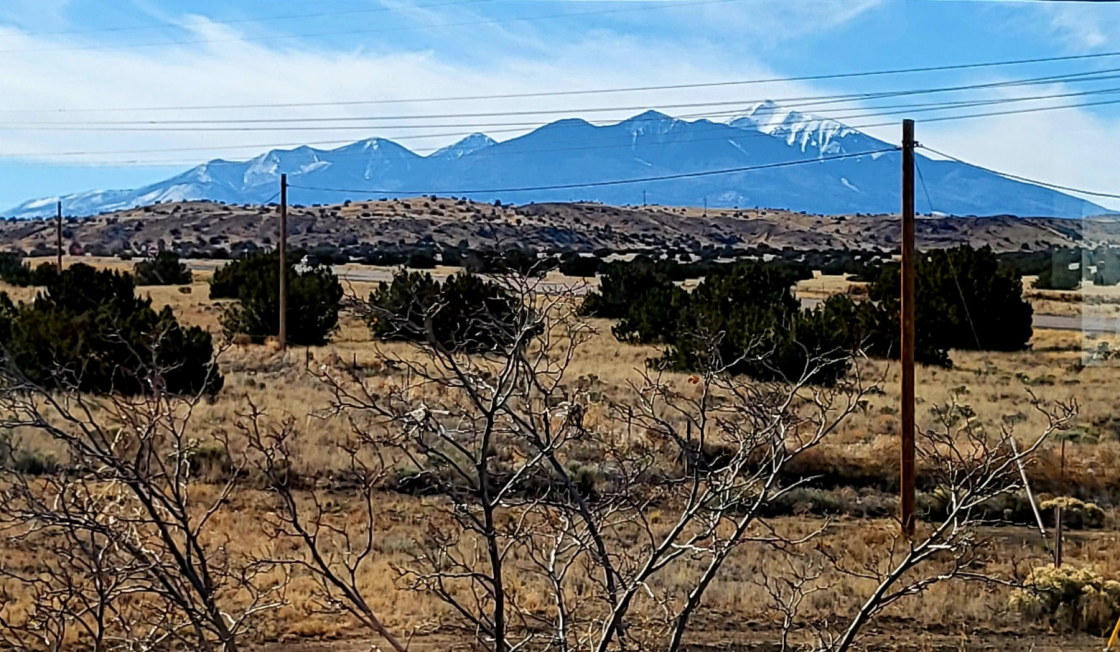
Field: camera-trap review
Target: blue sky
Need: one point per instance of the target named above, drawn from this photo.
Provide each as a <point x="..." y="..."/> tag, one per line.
<point x="66" y="61"/>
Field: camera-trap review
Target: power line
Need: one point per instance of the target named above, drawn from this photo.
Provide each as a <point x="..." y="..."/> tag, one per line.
<point x="949" y="258"/>
<point x="1015" y="177"/>
<point x="1040" y="109"/>
<point x="353" y="32"/>
<point x="721" y="126"/>
<point x="599" y="91"/>
<point x="785" y="103"/>
<point x="784" y="106"/>
<point x="946" y="106"/>
<point x="350" y="128"/>
<point x="598" y="184"/>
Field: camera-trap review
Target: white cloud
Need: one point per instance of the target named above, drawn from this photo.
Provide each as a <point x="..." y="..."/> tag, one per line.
<point x="1069" y="147"/>
<point x="225" y="73"/>
<point x="1083" y="26"/>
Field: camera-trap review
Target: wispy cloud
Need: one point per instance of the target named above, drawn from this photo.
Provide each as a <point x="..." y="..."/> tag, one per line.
<point x="224" y="73"/>
<point x="705" y="43"/>
<point x="1083" y="26"/>
<point x="37" y="14"/>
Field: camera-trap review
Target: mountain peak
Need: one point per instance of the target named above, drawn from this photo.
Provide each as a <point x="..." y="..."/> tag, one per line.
<point x="571" y="152"/>
<point x="650" y="122"/>
<point x="803" y="130"/>
<point x="468" y="145"/>
<point x="652" y="116"/>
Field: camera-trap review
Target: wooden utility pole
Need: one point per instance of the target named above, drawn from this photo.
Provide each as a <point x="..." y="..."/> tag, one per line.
<point x="909" y="259"/>
<point x="58" y="234"/>
<point x="283" y="335"/>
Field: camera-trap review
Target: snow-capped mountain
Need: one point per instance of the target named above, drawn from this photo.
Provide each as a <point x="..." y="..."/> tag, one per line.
<point x="558" y="158"/>
<point x="808" y="133"/>
<point x="468" y="145"/>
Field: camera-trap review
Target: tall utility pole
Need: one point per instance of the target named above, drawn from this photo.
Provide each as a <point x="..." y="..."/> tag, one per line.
<point x="58" y="234"/>
<point x="283" y="336"/>
<point x="909" y="260"/>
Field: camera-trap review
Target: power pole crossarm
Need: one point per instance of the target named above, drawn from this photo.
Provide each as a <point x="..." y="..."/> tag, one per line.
<point x="282" y="336"/>
<point x="909" y="260"/>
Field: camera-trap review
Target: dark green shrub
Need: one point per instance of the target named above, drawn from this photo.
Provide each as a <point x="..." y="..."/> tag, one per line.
<point x="230" y="278"/>
<point x="44" y="275"/>
<point x="577" y="265"/>
<point x="452" y="257"/>
<point x="88" y="330"/>
<point x="1034" y="263"/>
<point x="13" y="271"/>
<point x="164" y="269"/>
<point x="964" y="300"/>
<point x="653" y="318"/>
<point x="1107" y="263"/>
<point x="465" y="313"/>
<point x="523" y="262"/>
<point x="1058" y="278"/>
<point x="313" y="299"/>
<point x="748" y="322"/>
<point x="621" y="286"/>
<point x="422" y="259"/>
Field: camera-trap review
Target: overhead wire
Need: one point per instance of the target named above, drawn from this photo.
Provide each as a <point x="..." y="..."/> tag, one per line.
<point x="598" y="184"/>
<point x="785" y="104"/>
<point x="630" y="89"/>
<point x="870" y="112"/>
<point x="1015" y="177"/>
<point x="949" y="258"/>
<point x="722" y="136"/>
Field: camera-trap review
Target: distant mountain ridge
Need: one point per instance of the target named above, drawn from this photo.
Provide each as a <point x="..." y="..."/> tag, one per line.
<point x="572" y="151"/>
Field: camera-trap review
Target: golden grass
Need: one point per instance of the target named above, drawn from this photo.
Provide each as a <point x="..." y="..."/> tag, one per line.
<point x="996" y="385"/>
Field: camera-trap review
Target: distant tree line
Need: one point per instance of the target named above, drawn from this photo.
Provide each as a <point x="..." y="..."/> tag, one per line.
<point x="965" y="298"/>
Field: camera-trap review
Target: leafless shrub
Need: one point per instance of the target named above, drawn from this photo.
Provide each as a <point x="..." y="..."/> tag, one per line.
<point x="971" y="467"/>
<point x="594" y="513"/>
<point x="126" y="554"/>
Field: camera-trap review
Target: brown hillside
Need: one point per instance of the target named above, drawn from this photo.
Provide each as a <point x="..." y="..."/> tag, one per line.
<point x="202" y="225"/>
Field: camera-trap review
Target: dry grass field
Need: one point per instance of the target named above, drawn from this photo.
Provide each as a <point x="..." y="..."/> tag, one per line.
<point x="999" y="388"/>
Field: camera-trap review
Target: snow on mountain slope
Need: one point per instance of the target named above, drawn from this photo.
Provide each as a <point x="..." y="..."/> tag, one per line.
<point x="571" y="152"/>
<point x="806" y="132"/>
<point x="468" y="145"/>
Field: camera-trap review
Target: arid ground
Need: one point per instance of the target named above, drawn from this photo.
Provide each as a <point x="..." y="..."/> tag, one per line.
<point x="999" y="388"/>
